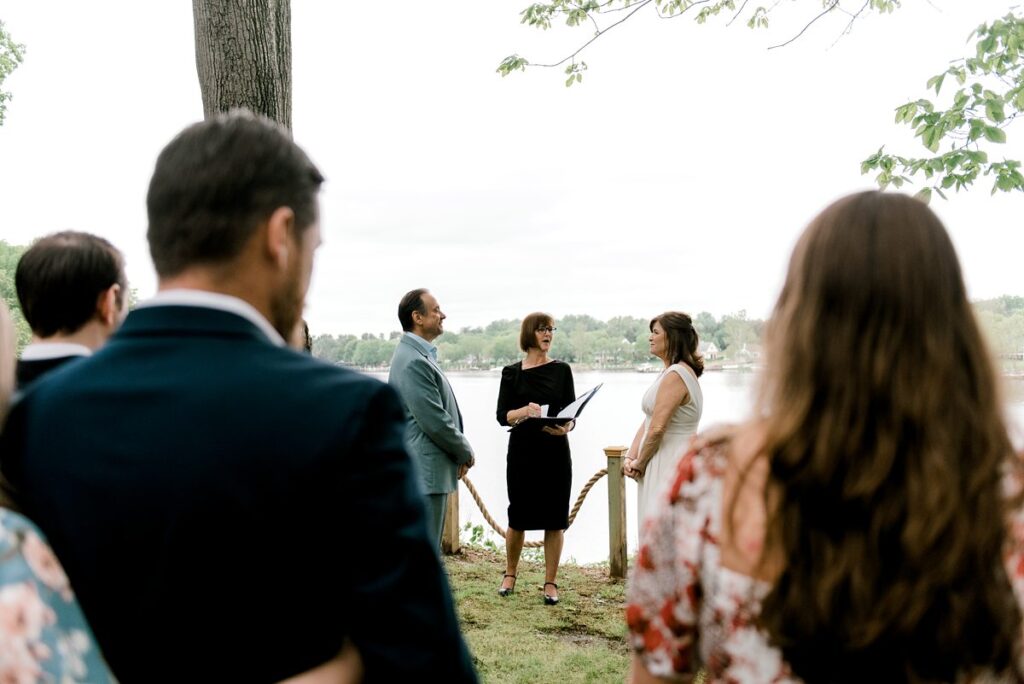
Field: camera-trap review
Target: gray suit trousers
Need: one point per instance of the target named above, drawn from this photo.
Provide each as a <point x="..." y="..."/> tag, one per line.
<point x="437" y="504"/>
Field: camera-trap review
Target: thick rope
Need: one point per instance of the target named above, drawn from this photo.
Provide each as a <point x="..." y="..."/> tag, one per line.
<point x="532" y="544"/>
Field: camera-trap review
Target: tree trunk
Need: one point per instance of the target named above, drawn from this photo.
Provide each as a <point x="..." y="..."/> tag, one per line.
<point x="244" y="56"/>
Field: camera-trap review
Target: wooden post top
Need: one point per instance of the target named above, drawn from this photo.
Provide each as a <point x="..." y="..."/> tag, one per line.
<point x="615" y="451"/>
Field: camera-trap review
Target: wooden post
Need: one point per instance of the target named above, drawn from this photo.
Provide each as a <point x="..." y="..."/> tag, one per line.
<point x="450" y="533"/>
<point x="616" y="512"/>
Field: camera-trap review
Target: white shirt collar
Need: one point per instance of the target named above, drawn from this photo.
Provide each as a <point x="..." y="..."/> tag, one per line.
<point x="219" y="301"/>
<point x="41" y="351"/>
<point x="428" y="347"/>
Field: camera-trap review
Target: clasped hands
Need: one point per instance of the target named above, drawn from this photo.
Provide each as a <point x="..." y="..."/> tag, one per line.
<point x="631" y="467"/>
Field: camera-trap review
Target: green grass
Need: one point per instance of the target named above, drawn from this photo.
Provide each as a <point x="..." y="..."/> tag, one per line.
<point x="519" y="639"/>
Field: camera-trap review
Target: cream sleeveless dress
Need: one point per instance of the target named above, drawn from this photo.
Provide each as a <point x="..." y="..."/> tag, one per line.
<point x="683" y="423"/>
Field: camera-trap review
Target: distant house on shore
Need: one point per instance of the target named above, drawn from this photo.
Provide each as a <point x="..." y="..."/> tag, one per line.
<point x="709" y="350"/>
<point x="749" y="353"/>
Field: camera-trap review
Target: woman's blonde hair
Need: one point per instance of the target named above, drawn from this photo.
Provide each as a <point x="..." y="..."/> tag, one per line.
<point x="887" y="452"/>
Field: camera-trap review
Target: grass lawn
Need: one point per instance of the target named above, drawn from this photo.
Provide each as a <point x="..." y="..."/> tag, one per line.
<point x="519" y="639"/>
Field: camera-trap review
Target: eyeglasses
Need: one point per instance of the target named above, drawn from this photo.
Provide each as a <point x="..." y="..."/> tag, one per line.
<point x="547" y="329"/>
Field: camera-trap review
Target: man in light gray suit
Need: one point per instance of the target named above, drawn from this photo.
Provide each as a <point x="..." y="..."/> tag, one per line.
<point x="434" y="432"/>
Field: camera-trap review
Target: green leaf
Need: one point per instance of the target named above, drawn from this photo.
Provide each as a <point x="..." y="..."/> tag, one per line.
<point x="994" y="111"/>
<point x="510" y="64"/>
<point x="936" y="82"/>
<point x="996" y="135"/>
<point x="925" y="195"/>
<point x="930" y="137"/>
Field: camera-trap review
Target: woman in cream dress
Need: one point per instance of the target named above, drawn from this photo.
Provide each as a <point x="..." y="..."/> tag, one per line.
<point x="672" y="409"/>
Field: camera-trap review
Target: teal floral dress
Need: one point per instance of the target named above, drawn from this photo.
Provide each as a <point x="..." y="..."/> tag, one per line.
<point x="43" y="634"/>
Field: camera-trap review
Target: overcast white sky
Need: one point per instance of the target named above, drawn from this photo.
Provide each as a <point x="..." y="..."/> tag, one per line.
<point x="676" y="177"/>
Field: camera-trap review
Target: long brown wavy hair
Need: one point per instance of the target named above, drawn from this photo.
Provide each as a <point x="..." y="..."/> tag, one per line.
<point x="682" y="339"/>
<point x="887" y="448"/>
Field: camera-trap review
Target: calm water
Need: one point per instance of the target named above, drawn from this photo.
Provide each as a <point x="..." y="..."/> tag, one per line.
<point x="611" y="419"/>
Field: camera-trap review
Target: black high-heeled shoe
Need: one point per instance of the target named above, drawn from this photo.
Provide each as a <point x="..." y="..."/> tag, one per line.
<point x="503" y="591"/>
<point x="550" y="600"/>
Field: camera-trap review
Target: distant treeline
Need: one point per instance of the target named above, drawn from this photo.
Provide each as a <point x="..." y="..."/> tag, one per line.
<point x="9" y="255"/>
<point x="619" y="342"/>
<point x="622" y="341"/>
<point x="1003" y="321"/>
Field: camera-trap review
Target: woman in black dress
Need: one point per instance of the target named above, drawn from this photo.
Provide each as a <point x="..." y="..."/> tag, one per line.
<point x="539" y="470"/>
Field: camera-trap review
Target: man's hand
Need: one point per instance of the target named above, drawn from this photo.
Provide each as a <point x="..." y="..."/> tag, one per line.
<point x="463" y="469"/>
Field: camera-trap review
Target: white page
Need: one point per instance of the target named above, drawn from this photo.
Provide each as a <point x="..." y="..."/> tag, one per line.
<point x="573" y="409"/>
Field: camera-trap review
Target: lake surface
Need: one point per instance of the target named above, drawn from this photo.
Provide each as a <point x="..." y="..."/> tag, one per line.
<point x="610" y="419"/>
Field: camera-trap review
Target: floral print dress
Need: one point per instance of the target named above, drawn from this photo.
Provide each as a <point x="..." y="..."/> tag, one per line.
<point x="43" y="635"/>
<point x="686" y="612"/>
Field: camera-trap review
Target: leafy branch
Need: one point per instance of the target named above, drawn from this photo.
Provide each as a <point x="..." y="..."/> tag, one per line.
<point x="11" y="55"/>
<point x="989" y="98"/>
<point x="576" y="13"/>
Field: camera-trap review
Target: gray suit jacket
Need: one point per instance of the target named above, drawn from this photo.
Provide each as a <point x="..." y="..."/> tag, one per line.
<point x="434" y="433"/>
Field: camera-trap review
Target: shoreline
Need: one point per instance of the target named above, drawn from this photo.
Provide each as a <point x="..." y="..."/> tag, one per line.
<point x="584" y="368"/>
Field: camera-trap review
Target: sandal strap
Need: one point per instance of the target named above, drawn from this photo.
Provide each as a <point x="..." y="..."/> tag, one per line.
<point x="552" y="584"/>
<point x="508" y="575"/>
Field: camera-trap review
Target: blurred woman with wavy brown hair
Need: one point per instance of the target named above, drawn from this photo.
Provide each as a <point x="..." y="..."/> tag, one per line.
<point x="866" y="524"/>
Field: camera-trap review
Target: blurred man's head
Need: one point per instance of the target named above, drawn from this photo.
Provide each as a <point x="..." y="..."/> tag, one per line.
<point x="233" y="208"/>
<point x="72" y="284"/>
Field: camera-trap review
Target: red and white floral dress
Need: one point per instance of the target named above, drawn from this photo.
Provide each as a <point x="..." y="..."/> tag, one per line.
<point x="686" y="612"/>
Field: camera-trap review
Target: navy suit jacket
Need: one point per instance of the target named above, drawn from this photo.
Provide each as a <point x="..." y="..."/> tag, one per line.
<point x="30" y="371"/>
<point x="229" y="510"/>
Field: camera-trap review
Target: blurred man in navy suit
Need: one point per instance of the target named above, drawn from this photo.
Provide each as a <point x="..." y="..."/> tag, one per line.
<point x="228" y="509"/>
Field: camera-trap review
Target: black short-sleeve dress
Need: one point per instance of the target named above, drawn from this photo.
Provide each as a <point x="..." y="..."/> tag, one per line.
<point x="539" y="467"/>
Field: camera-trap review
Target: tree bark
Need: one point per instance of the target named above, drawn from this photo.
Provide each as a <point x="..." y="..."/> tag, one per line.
<point x="244" y="56"/>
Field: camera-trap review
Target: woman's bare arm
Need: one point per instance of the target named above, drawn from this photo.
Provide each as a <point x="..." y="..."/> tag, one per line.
<point x="672" y="394"/>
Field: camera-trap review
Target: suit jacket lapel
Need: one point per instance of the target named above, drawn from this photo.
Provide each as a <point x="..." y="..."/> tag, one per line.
<point x="451" y="391"/>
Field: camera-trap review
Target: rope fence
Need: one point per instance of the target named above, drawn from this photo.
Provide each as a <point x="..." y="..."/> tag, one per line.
<point x="616" y="513"/>
<point x="532" y="544"/>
